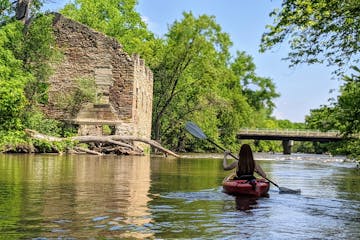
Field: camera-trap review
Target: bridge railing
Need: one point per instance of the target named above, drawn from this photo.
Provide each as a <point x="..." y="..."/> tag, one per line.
<point x="290" y="132"/>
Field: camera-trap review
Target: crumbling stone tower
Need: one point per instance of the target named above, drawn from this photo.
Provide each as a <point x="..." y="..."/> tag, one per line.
<point x="124" y="85"/>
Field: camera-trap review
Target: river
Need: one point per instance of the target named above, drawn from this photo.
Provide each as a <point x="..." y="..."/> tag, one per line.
<point x="127" y="197"/>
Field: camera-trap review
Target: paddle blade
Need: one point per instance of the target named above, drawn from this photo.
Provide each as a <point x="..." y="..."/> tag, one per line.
<point x="194" y="130"/>
<point x="289" y="191"/>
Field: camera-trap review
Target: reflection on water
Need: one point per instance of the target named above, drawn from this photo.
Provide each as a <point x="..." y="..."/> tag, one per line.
<point x="244" y="203"/>
<point x="77" y="197"/>
<point x="51" y="196"/>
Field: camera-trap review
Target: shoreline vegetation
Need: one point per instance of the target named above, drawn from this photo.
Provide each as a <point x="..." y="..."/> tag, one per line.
<point x="195" y="77"/>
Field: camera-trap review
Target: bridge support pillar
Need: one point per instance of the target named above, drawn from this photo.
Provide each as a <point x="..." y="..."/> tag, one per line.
<point x="287" y="144"/>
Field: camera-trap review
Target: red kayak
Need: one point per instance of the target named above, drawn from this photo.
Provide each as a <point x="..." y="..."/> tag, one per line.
<point x="243" y="187"/>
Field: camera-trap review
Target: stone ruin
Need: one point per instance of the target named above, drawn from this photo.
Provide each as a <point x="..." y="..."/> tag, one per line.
<point x="124" y="85"/>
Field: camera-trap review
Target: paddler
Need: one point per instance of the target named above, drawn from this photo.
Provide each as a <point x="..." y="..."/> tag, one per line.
<point x="246" y="165"/>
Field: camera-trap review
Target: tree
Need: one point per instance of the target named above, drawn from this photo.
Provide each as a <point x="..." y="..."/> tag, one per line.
<point x="322" y="119"/>
<point x="190" y="65"/>
<point x="22" y="10"/>
<point x="343" y="114"/>
<point x="324" y="32"/>
<point x="259" y="91"/>
<point x="39" y="54"/>
<point x="317" y="32"/>
<point x="12" y="81"/>
<point x="33" y="43"/>
<point x="347" y="111"/>
<point x="26" y="52"/>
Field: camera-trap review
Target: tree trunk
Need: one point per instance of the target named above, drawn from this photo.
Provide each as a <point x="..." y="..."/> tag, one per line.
<point x="22" y="10"/>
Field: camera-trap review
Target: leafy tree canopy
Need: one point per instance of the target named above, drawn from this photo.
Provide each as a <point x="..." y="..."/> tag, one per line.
<point x="115" y="18"/>
<point x="342" y="114"/>
<point x="190" y="65"/>
<point x="195" y="79"/>
<point x="19" y="10"/>
<point x="12" y="80"/>
<point x="259" y="91"/>
<point x="323" y="31"/>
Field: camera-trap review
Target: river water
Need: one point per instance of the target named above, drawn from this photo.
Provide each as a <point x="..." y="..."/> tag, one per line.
<point x="124" y="197"/>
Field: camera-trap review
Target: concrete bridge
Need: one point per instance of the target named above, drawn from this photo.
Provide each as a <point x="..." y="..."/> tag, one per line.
<point x="289" y="136"/>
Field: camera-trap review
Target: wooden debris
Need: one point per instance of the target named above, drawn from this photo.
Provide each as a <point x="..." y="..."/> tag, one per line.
<point x="99" y="145"/>
<point x="87" y="151"/>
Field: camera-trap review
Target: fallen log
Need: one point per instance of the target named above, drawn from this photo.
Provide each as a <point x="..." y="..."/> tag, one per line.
<point x="87" y="151"/>
<point x="111" y="139"/>
<point x="104" y="139"/>
<point x="37" y="135"/>
<point x="152" y="143"/>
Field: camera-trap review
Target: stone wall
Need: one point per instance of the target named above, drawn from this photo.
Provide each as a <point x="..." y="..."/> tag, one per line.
<point x="123" y="83"/>
<point x="143" y="91"/>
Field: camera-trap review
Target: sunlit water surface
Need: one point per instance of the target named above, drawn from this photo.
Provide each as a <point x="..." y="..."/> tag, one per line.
<point x="112" y="197"/>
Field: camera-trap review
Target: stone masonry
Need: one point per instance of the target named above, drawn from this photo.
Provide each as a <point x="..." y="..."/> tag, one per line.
<point x="124" y="85"/>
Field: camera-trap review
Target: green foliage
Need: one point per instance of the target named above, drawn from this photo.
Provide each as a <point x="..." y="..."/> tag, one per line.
<point x="352" y="148"/>
<point x="43" y="146"/>
<point x="25" y="66"/>
<point x="342" y="115"/>
<point x="259" y="91"/>
<point x="303" y="147"/>
<point x="26" y="55"/>
<point x="6" y="9"/>
<point x="191" y="63"/>
<point x="33" y="46"/>
<point x="347" y="107"/>
<point x="12" y="103"/>
<point x="9" y="9"/>
<point x="9" y="140"/>
<point x="12" y="81"/>
<point x="106" y="130"/>
<point x="39" y="54"/>
<point x="286" y="124"/>
<point x="233" y="113"/>
<point x="115" y="18"/>
<point x="36" y="120"/>
<point x="195" y="79"/>
<point x="317" y="31"/>
<point x="348" y="147"/>
<point x="85" y="90"/>
<point x="322" y="118"/>
<point x="324" y="32"/>
<point x="69" y="130"/>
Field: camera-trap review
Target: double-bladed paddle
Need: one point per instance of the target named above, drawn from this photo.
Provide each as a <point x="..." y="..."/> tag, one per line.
<point x="194" y="130"/>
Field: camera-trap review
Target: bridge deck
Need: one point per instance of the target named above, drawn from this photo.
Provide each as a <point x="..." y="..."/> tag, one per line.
<point x="284" y="134"/>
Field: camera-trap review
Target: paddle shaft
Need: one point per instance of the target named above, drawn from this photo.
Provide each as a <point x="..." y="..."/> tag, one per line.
<point x="198" y="133"/>
<point x="222" y="149"/>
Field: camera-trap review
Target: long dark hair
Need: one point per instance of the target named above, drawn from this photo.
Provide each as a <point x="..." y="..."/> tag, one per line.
<point x="246" y="164"/>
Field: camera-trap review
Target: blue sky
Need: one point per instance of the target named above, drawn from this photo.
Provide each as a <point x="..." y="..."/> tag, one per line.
<point x="301" y="88"/>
